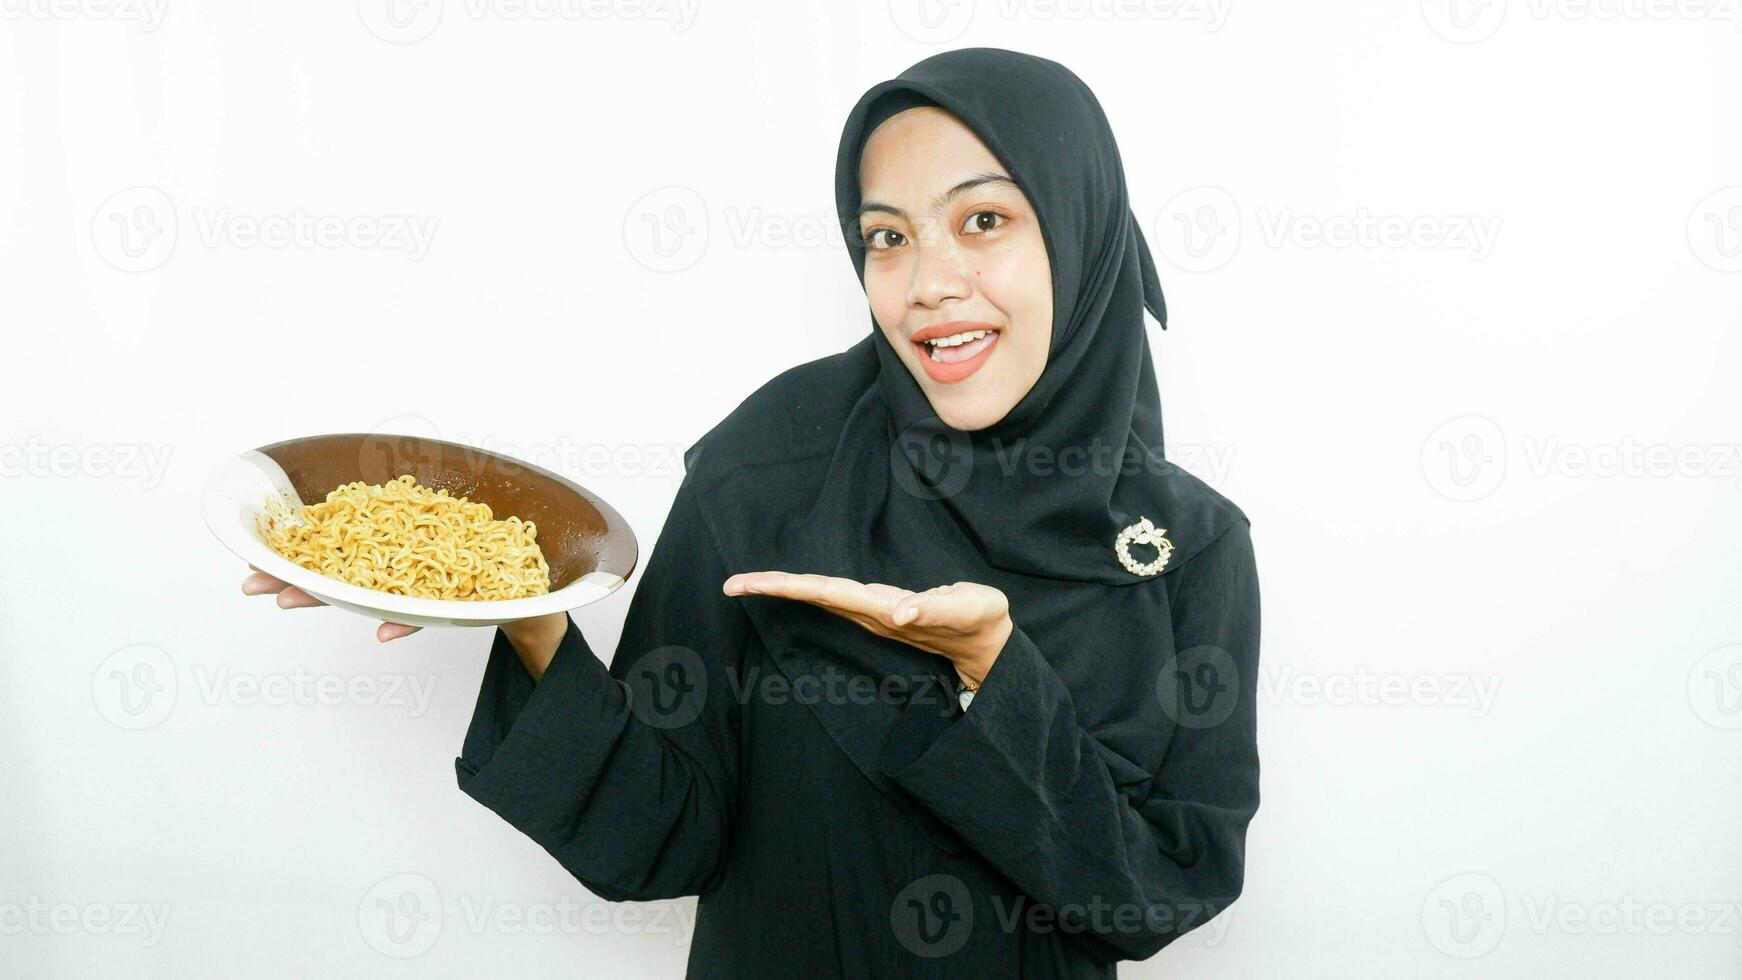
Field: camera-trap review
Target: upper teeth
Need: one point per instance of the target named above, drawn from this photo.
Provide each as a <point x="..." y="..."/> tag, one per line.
<point x="956" y="339"/>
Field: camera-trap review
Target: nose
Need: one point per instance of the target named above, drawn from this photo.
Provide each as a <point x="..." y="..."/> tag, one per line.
<point x="939" y="273"/>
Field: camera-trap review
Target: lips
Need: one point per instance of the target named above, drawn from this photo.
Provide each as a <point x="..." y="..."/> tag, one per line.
<point x="955" y="362"/>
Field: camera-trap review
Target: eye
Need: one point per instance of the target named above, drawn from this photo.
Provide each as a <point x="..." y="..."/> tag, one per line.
<point x="870" y="239"/>
<point x="977" y="223"/>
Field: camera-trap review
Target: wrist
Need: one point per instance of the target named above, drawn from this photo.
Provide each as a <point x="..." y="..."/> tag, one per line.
<point x="973" y="668"/>
<point x="536" y="640"/>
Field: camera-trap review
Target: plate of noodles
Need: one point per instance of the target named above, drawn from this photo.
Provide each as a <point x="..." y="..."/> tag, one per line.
<point x="418" y="531"/>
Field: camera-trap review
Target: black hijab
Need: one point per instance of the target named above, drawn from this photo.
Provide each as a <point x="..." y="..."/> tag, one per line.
<point x="841" y="467"/>
<point x="1097" y="400"/>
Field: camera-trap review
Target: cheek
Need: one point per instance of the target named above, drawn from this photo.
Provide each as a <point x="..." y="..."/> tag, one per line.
<point x="1019" y="284"/>
<point x="887" y="298"/>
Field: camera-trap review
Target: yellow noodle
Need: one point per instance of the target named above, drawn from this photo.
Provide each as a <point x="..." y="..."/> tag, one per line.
<point x="409" y="540"/>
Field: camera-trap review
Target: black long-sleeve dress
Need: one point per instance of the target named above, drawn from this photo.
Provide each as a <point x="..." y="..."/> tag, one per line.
<point x="1030" y="839"/>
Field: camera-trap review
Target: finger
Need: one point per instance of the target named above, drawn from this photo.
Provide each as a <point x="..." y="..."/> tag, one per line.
<point x="824" y="590"/>
<point x="941" y="607"/>
<point x="295" y="598"/>
<point x="261" y="583"/>
<point x="393" y="631"/>
<point x="908" y="612"/>
<point x="920" y="609"/>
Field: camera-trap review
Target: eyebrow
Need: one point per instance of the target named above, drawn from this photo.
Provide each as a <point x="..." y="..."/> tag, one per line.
<point x="988" y="177"/>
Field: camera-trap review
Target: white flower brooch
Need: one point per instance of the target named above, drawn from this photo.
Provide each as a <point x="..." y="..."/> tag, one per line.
<point x="1143" y="532"/>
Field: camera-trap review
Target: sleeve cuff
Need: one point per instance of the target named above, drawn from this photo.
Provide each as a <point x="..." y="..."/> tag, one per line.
<point x="509" y="699"/>
<point x="960" y="766"/>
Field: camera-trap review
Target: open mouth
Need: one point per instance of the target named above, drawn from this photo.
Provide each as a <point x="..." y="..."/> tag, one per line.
<point x="952" y="351"/>
<point x="957" y="347"/>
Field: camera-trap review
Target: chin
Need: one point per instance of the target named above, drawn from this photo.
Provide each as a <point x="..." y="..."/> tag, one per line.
<point x="968" y="418"/>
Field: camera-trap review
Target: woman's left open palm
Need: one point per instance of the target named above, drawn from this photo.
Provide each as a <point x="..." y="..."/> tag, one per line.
<point x="965" y="621"/>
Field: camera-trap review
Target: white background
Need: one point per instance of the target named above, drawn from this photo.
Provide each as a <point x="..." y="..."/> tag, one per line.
<point x="1496" y="455"/>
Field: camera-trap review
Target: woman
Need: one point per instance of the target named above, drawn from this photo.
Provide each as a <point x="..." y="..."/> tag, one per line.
<point x="1040" y="768"/>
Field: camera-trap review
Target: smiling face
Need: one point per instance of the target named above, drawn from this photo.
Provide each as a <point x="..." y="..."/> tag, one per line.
<point x="954" y="253"/>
